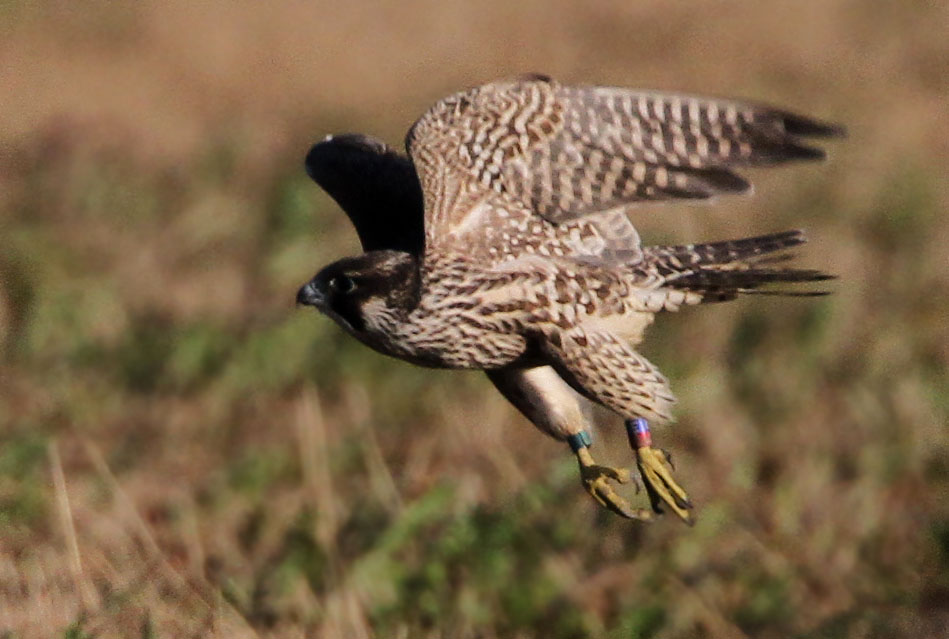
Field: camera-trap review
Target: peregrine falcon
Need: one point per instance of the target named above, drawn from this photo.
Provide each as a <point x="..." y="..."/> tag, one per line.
<point x="502" y="243"/>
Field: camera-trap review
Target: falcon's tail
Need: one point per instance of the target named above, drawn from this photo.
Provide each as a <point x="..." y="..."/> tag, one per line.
<point x="721" y="271"/>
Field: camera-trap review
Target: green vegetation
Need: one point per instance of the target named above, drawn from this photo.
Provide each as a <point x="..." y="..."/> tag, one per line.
<point x="184" y="453"/>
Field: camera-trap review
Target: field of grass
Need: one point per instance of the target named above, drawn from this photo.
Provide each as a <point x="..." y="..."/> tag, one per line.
<point x="185" y="454"/>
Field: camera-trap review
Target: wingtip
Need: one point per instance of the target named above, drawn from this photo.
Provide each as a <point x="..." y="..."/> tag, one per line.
<point x="326" y="152"/>
<point x="312" y="159"/>
<point x="809" y="127"/>
<point x="535" y="76"/>
<point x="804" y="152"/>
<point x="722" y="180"/>
<point x="798" y="235"/>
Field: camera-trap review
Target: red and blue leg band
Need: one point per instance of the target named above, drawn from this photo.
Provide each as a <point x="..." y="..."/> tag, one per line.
<point x="638" y="432"/>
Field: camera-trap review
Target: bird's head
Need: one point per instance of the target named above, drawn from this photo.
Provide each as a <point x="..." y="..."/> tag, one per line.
<point x="365" y="294"/>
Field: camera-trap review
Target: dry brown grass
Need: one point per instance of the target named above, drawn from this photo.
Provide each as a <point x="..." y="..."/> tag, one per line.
<point x="183" y="454"/>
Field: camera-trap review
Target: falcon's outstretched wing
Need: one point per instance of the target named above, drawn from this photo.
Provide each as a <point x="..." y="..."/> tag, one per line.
<point x="566" y="152"/>
<point x="377" y="188"/>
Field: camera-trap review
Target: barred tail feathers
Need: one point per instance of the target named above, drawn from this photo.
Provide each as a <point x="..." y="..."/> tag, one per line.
<point x="721" y="271"/>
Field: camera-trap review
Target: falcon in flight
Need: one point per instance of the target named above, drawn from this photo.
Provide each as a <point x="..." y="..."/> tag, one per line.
<point x="501" y="243"/>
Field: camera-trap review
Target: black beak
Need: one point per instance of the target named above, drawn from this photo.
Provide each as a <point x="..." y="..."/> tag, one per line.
<point x="309" y="295"/>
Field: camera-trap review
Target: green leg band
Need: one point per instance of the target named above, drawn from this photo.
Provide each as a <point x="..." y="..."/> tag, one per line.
<point x="579" y="440"/>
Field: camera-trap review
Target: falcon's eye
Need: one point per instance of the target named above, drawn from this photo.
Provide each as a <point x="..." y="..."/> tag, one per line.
<point x="342" y="284"/>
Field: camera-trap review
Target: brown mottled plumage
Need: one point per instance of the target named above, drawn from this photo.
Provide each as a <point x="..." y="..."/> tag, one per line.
<point x="502" y="242"/>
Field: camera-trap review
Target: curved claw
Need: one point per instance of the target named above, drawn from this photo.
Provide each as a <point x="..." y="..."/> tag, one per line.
<point x="596" y="479"/>
<point x="661" y="487"/>
<point x="637" y="485"/>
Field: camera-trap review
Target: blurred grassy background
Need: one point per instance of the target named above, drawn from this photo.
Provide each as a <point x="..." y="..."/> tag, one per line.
<point x="183" y="453"/>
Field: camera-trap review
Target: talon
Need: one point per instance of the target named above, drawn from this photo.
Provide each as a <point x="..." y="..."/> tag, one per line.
<point x="652" y="462"/>
<point x="654" y="465"/>
<point x="596" y="480"/>
<point x="661" y="487"/>
<point x="620" y="475"/>
<point x="637" y="485"/>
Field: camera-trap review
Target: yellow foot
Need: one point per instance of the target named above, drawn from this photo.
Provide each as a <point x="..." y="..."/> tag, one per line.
<point x="596" y="479"/>
<point x="654" y="465"/>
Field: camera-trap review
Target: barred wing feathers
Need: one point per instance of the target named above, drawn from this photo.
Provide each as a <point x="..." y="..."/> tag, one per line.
<point x="567" y="152"/>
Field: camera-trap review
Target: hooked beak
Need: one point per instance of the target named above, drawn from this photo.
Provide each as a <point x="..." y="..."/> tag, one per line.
<point x="310" y="295"/>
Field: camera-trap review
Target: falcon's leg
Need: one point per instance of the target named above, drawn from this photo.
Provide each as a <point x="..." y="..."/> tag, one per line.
<point x="607" y="370"/>
<point x="654" y="465"/>
<point x="551" y="405"/>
